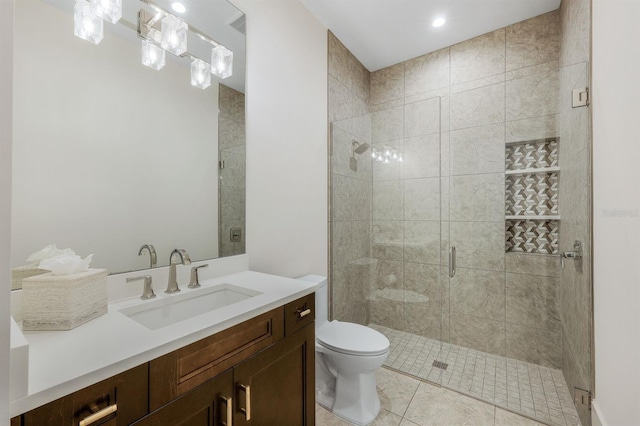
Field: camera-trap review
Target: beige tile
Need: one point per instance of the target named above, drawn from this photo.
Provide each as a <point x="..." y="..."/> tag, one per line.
<point x="479" y="57"/>
<point x="422" y="118"/>
<point x="340" y="101"/>
<point x="534" y="69"/>
<point x="506" y="418"/>
<point x="387" y="200"/>
<point x="575" y="26"/>
<point x="533" y="264"/>
<point x="427" y="73"/>
<point x="421" y="157"/>
<point x="421" y="199"/>
<point x="388" y="125"/>
<point x="422" y="242"/>
<point x="433" y="406"/>
<point x="387" y="84"/>
<point x="534" y="345"/>
<point x="533" y="301"/>
<point x="386" y="418"/>
<point x="395" y="390"/>
<point x="534" y="41"/>
<point x="350" y="241"/>
<point x="422" y="286"/>
<point x="532" y="96"/>
<point x="478" y="333"/>
<point x="387" y="313"/>
<point x="479" y="245"/>
<point x="475" y="84"/>
<point x="479" y="293"/>
<point x="478" y="107"/>
<point x="387" y="105"/>
<point x="532" y="128"/>
<point x="406" y="422"/>
<point x="387" y="238"/>
<point x="341" y="148"/>
<point x="350" y="291"/>
<point x="477" y="197"/>
<point x="338" y="59"/>
<point x="478" y="150"/>
<point x="422" y="321"/>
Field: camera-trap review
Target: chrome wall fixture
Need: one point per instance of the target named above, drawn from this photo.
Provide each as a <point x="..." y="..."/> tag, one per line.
<point x="160" y="32"/>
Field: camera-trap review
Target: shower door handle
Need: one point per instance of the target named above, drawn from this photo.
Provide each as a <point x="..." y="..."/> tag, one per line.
<point x="452" y="261"/>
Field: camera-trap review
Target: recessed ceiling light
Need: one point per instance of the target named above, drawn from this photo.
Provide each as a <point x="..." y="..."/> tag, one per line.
<point x="438" y="22"/>
<point x="178" y="7"/>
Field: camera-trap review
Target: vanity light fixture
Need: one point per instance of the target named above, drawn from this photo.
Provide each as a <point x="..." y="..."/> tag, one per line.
<point x="200" y="74"/>
<point x="160" y="32"/>
<point x="174" y="35"/>
<point x="221" y="61"/>
<point x="153" y="56"/>
<point x="109" y="10"/>
<point x="86" y="24"/>
<point x="438" y="22"/>
<point x="387" y="155"/>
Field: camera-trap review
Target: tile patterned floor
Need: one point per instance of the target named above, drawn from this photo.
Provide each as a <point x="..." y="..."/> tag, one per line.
<point x="407" y="401"/>
<point x="531" y="390"/>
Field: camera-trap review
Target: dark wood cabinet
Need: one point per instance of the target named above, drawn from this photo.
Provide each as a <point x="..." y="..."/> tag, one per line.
<point x="116" y="401"/>
<point x="259" y="372"/>
<point x="210" y="404"/>
<point x="276" y="386"/>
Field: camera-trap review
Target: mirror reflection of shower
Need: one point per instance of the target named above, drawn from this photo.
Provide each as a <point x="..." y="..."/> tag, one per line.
<point x="357" y="148"/>
<point x="387" y="155"/>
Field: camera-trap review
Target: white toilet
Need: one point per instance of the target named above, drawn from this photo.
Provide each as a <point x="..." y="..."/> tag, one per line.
<point x="347" y="357"/>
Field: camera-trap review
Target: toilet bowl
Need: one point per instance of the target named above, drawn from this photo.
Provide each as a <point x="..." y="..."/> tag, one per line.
<point x="347" y="357"/>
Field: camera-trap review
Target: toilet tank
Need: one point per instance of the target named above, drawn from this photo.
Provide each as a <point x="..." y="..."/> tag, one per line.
<point x="322" y="297"/>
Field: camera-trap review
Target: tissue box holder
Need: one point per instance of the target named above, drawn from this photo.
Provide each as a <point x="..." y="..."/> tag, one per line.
<point x="63" y="302"/>
<point x="21" y="272"/>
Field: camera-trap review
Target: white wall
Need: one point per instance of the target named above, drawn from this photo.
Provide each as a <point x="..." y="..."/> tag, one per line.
<point x="616" y="126"/>
<point x="101" y="140"/>
<point x="6" y="84"/>
<point x="286" y="138"/>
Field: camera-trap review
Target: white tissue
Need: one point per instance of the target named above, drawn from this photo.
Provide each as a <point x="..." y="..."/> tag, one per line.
<point x="46" y="253"/>
<point x="66" y="264"/>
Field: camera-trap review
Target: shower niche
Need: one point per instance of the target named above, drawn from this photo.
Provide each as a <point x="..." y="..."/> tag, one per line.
<point x="532" y="220"/>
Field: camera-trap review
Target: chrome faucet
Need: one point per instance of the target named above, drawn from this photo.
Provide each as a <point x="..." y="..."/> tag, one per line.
<point x="153" y="258"/>
<point x="172" y="286"/>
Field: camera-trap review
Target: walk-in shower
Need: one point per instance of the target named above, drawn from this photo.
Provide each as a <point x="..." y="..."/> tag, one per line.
<point x="492" y="178"/>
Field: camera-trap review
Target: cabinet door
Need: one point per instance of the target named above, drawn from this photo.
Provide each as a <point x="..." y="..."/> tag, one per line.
<point x="209" y="404"/>
<point x="277" y="385"/>
<point x="119" y="400"/>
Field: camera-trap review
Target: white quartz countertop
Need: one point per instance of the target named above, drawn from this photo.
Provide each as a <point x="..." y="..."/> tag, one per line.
<point x="62" y="362"/>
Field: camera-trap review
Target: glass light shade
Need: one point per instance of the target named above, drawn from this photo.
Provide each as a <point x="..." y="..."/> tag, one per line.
<point x="174" y="35"/>
<point x="109" y="10"/>
<point x="153" y="56"/>
<point x="200" y="74"/>
<point x="221" y="61"/>
<point x="86" y="25"/>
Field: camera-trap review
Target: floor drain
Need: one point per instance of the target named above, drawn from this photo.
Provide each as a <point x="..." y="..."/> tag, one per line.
<point x="442" y="365"/>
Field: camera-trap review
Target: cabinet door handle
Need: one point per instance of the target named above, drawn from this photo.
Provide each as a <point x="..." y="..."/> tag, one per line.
<point x="302" y="314"/>
<point x="99" y="415"/>
<point x="229" y="403"/>
<point x="247" y="401"/>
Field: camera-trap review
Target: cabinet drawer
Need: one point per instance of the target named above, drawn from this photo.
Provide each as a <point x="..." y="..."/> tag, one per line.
<point x="120" y="400"/>
<point x="180" y="371"/>
<point x="299" y="313"/>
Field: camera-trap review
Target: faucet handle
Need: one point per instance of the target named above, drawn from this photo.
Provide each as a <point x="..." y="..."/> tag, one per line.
<point x="147" y="292"/>
<point x="195" y="281"/>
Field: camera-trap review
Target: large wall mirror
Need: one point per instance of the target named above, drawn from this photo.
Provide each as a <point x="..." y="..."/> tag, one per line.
<point x="110" y="155"/>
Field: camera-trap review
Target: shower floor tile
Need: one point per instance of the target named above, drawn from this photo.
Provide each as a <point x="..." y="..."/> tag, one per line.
<point x="535" y="391"/>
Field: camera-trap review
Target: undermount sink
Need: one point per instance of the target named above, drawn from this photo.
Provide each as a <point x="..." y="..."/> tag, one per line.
<point x="170" y="310"/>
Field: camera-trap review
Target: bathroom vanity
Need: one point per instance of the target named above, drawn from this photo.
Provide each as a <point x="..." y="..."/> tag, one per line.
<point x="258" y="370"/>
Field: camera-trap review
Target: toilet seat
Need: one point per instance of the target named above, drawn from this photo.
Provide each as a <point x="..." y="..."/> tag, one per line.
<point x="352" y="339"/>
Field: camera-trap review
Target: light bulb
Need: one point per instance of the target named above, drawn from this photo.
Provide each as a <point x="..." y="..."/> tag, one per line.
<point x="221" y="61"/>
<point x="109" y="10"/>
<point x="200" y="74"/>
<point x="174" y="35"/>
<point x="438" y="22"/>
<point x="87" y="25"/>
<point x="153" y="56"/>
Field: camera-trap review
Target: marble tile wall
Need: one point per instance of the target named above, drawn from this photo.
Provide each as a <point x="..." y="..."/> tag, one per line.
<point x="350" y="187"/>
<point x="452" y="112"/>
<point x="231" y="145"/>
<point x="576" y="306"/>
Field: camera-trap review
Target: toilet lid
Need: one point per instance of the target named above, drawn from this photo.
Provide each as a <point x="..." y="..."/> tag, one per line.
<point x="352" y="339"/>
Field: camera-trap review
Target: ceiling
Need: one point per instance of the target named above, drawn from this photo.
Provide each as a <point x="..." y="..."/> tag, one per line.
<point x="381" y="33"/>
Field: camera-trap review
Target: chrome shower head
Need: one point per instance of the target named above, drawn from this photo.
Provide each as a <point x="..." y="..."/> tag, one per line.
<point x="359" y="148"/>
